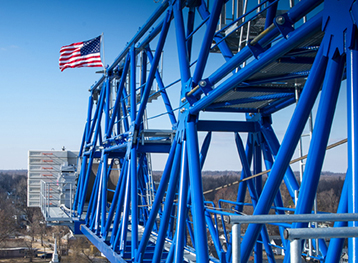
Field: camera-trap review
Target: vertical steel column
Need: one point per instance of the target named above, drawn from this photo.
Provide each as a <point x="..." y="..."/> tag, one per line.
<point x="97" y="208"/>
<point x="286" y="151"/>
<point x="133" y="155"/>
<point x="134" y="200"/>
<point x="169" y="199"/>
<point x="258" y="183"/>
<point x="79" y="183"/>
<point x="122" y="235"/>
<point x="116" y="228"/>
<point x="108" y="92"/>
<point x="197" y="193"/>
<point x="352" y="115"/>
<point x="104" y="191"/>
<point x="182" y="210"/>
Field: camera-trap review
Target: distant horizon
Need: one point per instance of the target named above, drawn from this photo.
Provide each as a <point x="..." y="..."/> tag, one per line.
<point x="219" y="171"/>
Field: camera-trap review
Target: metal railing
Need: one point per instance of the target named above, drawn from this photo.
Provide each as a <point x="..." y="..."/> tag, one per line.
<point x="294" y="235"/>
<point x="55" y="198"/>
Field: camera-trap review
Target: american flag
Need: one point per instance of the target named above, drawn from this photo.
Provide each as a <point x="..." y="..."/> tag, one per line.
<point x="81" y="54"/>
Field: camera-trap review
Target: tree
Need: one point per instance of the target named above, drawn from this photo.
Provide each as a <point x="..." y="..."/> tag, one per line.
<point x="80" y="251"/>
<point x="7" y="218"/>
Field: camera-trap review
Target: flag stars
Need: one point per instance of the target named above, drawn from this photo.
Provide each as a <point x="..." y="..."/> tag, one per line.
<point x="91" y="46"/>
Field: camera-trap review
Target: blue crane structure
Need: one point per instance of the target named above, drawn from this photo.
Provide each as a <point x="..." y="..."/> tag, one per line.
<point x="272" y="59"/>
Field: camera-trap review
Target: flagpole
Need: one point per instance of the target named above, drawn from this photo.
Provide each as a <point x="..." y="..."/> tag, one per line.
<point x="103" y="62"/>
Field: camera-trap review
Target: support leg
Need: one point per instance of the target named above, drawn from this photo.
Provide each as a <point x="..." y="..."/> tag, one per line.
<point x="197" y="194"/>
<point x="352" y="112"/>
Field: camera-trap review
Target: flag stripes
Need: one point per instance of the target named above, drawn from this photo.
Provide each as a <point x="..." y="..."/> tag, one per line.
<point x="81" y="54"/>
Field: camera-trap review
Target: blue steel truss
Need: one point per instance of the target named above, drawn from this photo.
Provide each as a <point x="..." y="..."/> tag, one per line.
<point x="134" y="221"/>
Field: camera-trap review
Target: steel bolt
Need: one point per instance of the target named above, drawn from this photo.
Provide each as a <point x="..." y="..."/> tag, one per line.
<point x="202" y="83"/>
<point x="280" y="20"/>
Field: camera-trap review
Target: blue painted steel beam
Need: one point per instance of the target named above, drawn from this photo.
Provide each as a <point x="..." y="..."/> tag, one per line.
<point x="157" y="202"/>
<point x="102" y="246"/>
<point x="154" y="66"/>
<point x="105" y="176"/>
<point x="132" y="172"/>
<point x="116" y="196"/>
<point x="196" y="194"/>
<point x="243" y="185"/>
<point x="320" y="136"/>
<point x="227" y="126"/>
<point x="287" y="148"/>
<point x="336" y="244"/>
<point x="163" y="92"/>
<point x="118" y="98"/>
<point x="204" y="149"/>
<point x="136" y="38"/>
<point x="352" y="130"/>
<point x="274" y="146"/>
<point x="302" y="33"/>
<point x="169" y="199"/>
<point x="207" y="41"/>
<point x="205" y="15"/>
<point x="182" y="207"/>
<point x="325" y="113"/>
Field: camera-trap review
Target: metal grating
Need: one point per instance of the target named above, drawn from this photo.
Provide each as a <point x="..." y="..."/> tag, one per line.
<point x="294" y="66"/>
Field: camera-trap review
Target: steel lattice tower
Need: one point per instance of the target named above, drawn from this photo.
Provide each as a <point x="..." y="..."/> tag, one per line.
<point x="270" y="57"/>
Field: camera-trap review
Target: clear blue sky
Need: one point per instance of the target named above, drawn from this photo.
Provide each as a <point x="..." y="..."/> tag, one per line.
<point x="43" y="108"/>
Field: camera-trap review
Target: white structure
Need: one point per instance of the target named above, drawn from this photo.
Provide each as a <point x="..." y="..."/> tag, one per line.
<point x="45" y="166"/>
<point x="55" y="254"/>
